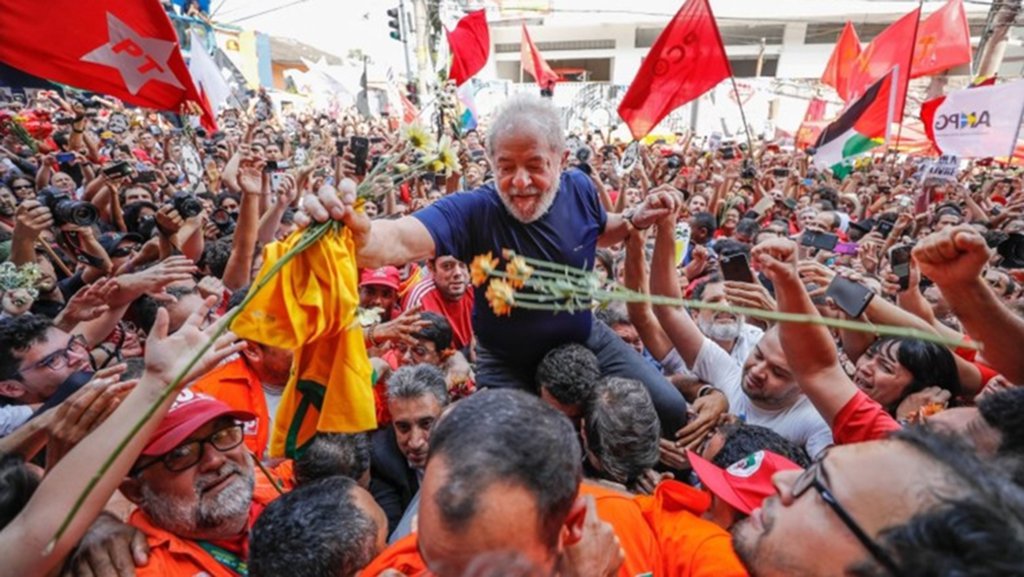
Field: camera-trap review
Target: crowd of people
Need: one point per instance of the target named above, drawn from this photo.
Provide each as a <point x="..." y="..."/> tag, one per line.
<point x="632" y="439"/>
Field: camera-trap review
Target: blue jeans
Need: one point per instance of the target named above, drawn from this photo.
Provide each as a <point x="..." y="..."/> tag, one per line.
<point x="615" y="357"/>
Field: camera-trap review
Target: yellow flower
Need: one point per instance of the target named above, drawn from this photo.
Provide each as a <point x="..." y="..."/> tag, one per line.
<point x="518" y="272"/>
<point x="437" y="166"/>
<point x="501" y="296"/>
<point x="418" y="137"/>
<point x="447" y="158"/>
<point x="481" y="268"/>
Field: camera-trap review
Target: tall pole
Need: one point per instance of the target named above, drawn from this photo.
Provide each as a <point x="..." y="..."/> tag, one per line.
<point x="743" y="116"/>
<point x="406" y="29"/>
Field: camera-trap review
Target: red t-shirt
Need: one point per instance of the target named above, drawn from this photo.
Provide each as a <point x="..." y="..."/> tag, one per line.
<point x="862" y="419"/>
<point x="459" y="314"/>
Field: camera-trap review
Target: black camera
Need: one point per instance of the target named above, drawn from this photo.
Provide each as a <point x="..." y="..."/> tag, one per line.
<point x="186" y="204"/>
<point x="748" y="172"/>
<point x="225" y="223"/>
<point x="66" y="210"/>
<point x="673" y="162"/>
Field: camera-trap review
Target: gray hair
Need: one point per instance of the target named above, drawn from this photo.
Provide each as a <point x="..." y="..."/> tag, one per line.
<point x="527" y="111"/>
<point x="622" y="429"/>
<point x="418" y="380"/>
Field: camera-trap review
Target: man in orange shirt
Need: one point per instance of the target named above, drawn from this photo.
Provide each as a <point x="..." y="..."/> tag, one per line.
<point x="253" y="382"/>
<point x="195" y="488"/>
<point x="503" y="475"/>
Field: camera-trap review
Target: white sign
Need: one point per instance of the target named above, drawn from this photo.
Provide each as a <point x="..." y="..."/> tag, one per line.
<point x="945" y="169"/>
<point x="980" y="122"/>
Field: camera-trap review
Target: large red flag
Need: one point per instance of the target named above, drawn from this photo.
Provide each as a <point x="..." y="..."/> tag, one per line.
<point x="840" y="64"/>
<point x="124" y="49"/>
<point x="686" y="61"/>
<point x="470" y="45"/>
<point x="943" y="41"/>
<point x="893" y="48"/>
<point x="534" y="64"/>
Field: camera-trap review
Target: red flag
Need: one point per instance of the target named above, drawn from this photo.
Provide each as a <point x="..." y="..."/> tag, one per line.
<point x="812" y="125"/>
<point x="840" y="64"/>
<point x="890" y="49"/>
<point x="686" y="60"/>
<point x="470" y="45"/>
<point x="409" y="112"/>
<point x="943" y="41"/>
<point x="125" y="49"/>
<point x="535" y="65"/>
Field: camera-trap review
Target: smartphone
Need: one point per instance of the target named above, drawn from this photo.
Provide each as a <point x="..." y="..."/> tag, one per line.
<point x="275" y="180"/>
<point x="899" y="261"/>
<point x="728" y="153"/>
<point x="145" y="176"/>
<point x="270" y="166"/>
<point x="119" y="168"/>
<point x="376" y="140"/>
<point x="849" y="296"/>
<point x="736" y="267"/>
<point x="65" y="120"/>
<point x="339" y="146"/>
<point x="476" y="154"/>
<point x="360" y="149"/>
<point x="780" y="172"/>
<point x="65" y="157"/>
<point x="819" y="240"/>
<point x="884" y="228"/>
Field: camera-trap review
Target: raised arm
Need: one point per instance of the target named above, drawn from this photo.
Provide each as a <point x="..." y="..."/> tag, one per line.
<point x="954" y="260"/>
<point x="809" y="348"/>
<point x="641" y="314"/>
<point x="675" y="321"/>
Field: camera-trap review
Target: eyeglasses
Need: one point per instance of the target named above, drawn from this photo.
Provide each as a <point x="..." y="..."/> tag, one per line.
<point x="816" y="477"/>
<point x="125" y="251"/>
<point x="22" y="187"/>
<point x="57" y="360"/>
<point x="186" y="455"/>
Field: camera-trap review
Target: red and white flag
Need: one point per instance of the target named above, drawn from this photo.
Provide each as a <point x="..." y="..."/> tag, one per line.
<point x="125" y="49"/>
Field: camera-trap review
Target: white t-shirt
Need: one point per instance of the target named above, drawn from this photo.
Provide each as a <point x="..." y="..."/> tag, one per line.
<point x="800" y="422"/>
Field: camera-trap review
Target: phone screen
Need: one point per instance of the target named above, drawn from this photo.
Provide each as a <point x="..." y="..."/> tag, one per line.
<point x="360" y="149"/>
<point x="736" y="268"/>
<point x="819" y="240"/>
<point x="899" y="260"/>
<point x="849" y="296"/>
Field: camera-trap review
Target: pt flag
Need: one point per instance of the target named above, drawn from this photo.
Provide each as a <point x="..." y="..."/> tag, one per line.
<point x="976" y="122"/>
<point x="812" y="125"/>
<point x="470" y="45"/>
<point x="892" y="49"/>
<point x="125" y="49"/>
<point x="686" y="61"/>
<point x="862" y="126"/>
<point x="534" y="64"/>
<point x="943" y="40"/>
<point x="840" y="64"/>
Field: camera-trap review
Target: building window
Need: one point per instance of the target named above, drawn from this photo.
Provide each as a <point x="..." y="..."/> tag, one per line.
<point x="746" y="67"/>
<point x="572" y="70"/>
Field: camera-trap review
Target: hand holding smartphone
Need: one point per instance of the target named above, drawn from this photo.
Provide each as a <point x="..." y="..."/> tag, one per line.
<point x="852" y="298"/>
<point x="736" y="267"/>
<point x="899" y="261"/>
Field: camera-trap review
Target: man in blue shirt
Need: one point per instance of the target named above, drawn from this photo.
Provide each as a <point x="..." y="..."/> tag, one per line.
<point x="537" y="210"/>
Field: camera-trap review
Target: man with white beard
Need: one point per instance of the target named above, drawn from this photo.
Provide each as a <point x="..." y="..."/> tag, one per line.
<point x="194" y="484"/>
<point x="540" y="210"/>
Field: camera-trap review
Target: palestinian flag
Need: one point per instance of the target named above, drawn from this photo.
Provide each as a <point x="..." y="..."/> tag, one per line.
<point x="863" y="126"/>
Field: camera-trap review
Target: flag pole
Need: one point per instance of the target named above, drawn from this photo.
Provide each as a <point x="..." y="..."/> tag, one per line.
<point x="743" y="116"/>
<point x="910" y="68"/>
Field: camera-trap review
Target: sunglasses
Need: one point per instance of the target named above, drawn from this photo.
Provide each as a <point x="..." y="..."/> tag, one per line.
<point x="125" y="250"/>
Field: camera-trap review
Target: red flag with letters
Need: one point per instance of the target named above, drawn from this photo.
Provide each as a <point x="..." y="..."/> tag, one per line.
<point x="125" y="49"/>
<point x="470" y="45"/>
<point x="534" y="64"/>
<point x="814" y="122"/>
<point x="943" y="40"/>
<point x="840" y="64"/>
<point x="686" y="61"/>
<point x="893" y="48"/>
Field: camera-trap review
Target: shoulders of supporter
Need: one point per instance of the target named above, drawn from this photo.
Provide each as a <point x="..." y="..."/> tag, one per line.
<point x="171" y="556"/>
<point x="626" y="518"/>
<point x="862" y="419"/>
<point x="402" y="556"/>
<point x="417" y="292"/>
<point x="719" y="369"/>
<point x="236" y="370"/>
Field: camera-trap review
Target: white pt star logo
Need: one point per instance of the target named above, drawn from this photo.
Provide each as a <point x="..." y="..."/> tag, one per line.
<point x="138" y="59"/>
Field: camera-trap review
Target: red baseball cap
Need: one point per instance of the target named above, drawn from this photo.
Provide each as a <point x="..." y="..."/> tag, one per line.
<point x="383" y="276"/>
<point x="189" y="412"/>
<point x="747" y="482"/>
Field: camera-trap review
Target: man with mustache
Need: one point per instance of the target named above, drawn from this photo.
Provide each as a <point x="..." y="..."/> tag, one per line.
<point x="538" y="209"/>
<point x="195" y="488"/>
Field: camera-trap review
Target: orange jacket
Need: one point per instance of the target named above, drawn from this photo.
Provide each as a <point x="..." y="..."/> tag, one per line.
<point x="618" y="509"/>
<point x="172" y="556"/>
<point x="690" y="546"/>
<point x="236" y="385"/>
